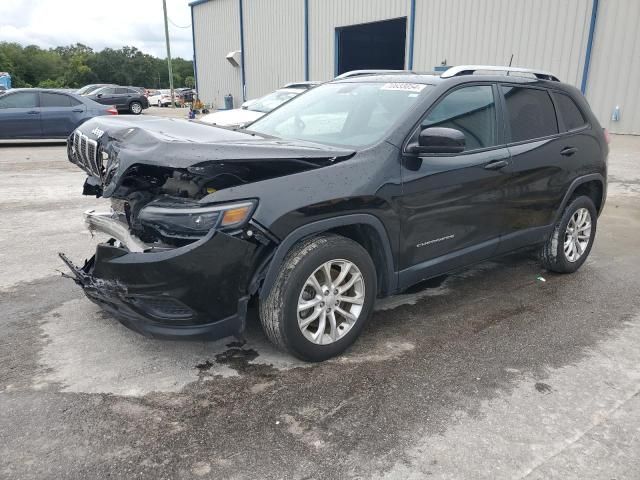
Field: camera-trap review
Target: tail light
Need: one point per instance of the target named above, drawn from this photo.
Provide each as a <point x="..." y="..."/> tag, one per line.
<point x="112" y="111"/>
<point x="607" y="136"/>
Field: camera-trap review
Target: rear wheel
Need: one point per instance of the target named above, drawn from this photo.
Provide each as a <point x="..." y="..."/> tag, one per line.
<point x="321" y="299"/>
<point x="572" y="238"/>
<point x="135" y="108"/>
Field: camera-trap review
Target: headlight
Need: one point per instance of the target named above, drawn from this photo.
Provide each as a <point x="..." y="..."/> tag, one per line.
<point x="194" y="221"/>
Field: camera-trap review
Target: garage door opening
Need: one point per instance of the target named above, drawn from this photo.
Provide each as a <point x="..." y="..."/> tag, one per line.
<point x="379" y="45"/>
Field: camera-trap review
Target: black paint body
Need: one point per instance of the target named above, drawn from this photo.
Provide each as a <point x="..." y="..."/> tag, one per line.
<point x="420" y="215"/>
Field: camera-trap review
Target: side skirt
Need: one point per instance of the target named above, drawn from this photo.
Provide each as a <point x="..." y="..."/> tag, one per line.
<point x="471" y="255"/>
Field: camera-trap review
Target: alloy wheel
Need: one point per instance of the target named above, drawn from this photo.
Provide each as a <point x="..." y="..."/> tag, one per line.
<point x="577" y="235"/>
<point x="331" y="301"/>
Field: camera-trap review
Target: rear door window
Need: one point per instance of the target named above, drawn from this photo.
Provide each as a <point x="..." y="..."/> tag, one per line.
<point x="530" y="113"/>
<point x="54" y="100"/>
<point x="19" y="100"/>
<point x="571" y="115"/>
<point x="470" y="110"/>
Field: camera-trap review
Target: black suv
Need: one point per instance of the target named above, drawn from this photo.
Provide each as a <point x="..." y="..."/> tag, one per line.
<point x="125" y="99"/>
<point x="352" y="191"/>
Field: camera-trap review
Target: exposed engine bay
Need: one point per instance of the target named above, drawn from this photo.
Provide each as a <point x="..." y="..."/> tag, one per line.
<point x="162" y="186"/>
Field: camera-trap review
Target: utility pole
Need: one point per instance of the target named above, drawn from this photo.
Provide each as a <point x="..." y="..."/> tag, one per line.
<point x="166" y="35"/>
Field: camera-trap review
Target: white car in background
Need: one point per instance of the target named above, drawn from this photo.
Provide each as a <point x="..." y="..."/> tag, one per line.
<point x="252" y="109"/>
<point x="161" y="98"/>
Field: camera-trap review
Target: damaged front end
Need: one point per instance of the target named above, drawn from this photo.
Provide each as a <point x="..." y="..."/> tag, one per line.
<point x="177" y="263"/>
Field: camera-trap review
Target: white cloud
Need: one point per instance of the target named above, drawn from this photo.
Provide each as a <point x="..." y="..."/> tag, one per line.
<point x="98" y="24"/>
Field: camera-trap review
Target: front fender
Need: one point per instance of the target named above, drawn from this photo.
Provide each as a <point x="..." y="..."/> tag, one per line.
<point x="390" y="276"/>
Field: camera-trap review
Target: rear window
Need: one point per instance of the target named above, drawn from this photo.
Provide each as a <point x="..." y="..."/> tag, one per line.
<point x="530" y="113"/>
<point x="569" y="111"/>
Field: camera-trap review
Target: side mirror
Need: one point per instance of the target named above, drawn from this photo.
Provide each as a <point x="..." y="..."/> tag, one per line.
<point x="99" y="95"/>
<point x="439" y="140"/>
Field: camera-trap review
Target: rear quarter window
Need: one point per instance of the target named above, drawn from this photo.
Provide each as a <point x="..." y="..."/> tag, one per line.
<point x="530" y="113"/>
<point x="571" y="115"/>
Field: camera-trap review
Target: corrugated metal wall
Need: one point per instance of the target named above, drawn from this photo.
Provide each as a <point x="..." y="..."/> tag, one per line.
<point x="545" y="34"/>
<point x="614" y="76"/>
<point x="274" y="44"/>
<point x="216" y="27"/>
<point x="326" y="15"/>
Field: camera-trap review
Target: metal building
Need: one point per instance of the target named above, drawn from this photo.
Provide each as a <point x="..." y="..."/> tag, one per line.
<point x="250" y="47"/>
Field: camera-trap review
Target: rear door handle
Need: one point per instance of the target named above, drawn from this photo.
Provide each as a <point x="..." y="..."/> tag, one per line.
<point x="33" y="112"/>
<point x="568" y="151"/>
<point x="77" y="110"/>
<point x="496" y="165"/>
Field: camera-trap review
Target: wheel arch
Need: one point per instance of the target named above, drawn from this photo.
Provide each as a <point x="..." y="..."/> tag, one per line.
<point x="592" y="185"/>
<point x="365" y="229"/>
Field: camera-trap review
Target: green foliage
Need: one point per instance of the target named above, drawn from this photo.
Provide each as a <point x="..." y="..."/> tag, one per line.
<point x="189" y="82"/>
<point x="76" y="65"/>
<point x="48" y="83"/>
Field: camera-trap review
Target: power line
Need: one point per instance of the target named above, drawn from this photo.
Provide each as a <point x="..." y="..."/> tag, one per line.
<point x="178" y="26"/>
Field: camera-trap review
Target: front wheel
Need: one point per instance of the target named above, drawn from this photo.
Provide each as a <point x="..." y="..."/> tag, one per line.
<point x="321" y="299"/>
<point x="572" y="238"/>
<point x="135" y="108"/>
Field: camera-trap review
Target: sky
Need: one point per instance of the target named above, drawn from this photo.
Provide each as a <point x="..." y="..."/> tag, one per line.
<point x="98" y="24"/>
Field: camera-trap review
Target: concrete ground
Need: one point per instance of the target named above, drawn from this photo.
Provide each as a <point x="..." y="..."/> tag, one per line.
<point x="490" y="373"/>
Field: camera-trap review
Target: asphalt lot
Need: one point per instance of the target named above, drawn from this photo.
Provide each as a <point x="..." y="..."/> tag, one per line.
<point x="490" y="373"/>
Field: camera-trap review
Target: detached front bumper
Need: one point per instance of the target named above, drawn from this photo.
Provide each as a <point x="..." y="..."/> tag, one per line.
<point x="193" y="292"/>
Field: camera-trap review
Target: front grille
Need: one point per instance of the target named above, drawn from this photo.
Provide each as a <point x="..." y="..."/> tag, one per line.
<point x="86" y="153"/>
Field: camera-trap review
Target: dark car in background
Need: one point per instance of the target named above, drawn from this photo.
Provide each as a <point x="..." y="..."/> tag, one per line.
<point x="33" y="113"/>
<point x="124" y="99"/>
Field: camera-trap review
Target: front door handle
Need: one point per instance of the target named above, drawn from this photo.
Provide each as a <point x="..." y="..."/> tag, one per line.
<point x="568" y="151"/>
<point x="496" y="165"/>
<point x="77" y="110"/>
<point x="33" y="112"/>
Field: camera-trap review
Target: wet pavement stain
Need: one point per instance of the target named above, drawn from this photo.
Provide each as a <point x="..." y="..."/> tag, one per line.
<point x="543" y="388"/>
<point x="237" y="358"/>
<point x="205" y="366"/>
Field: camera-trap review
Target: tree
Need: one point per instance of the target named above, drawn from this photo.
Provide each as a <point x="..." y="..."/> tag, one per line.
<point x="77" y="65"/>
<point x="189" y="82"/>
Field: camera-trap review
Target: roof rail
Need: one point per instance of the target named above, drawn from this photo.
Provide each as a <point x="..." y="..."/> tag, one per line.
<point x="471" y="69"/>
<point x="357" y="73"/>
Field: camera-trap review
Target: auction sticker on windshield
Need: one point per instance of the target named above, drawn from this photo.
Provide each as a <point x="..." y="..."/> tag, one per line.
<point x="405" y="87"/>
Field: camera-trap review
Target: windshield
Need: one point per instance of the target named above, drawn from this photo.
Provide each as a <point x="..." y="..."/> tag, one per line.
<point x="269" y="102"/>
<point x="346" y="114"/>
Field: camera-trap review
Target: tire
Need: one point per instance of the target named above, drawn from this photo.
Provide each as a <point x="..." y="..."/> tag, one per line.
<point x="279" y="308"/>
<point x="553" y="255"/>
<point x="135" y="108"/>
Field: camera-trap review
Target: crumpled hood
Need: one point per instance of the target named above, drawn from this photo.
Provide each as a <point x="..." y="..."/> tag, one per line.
<point x="181" y="144"/>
